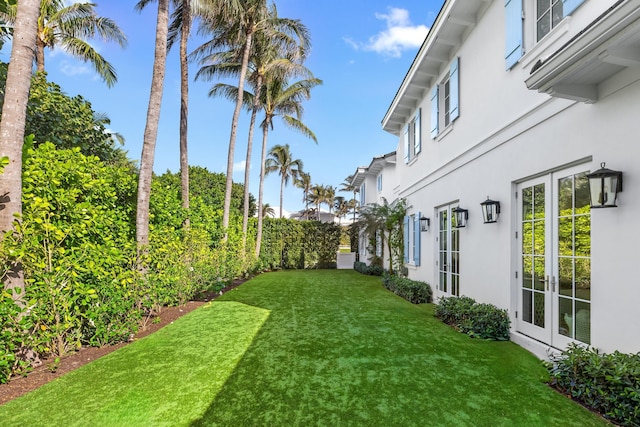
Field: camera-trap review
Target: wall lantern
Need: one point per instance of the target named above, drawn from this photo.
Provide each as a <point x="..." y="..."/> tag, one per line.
<point x="604" y="186"/>
<point x="461" y="216"/>
<point x="425" y="223"/>
<point x="490" y="210"/>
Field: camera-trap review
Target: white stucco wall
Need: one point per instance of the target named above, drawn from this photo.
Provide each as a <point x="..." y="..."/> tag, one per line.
<point x="506" y="134"/>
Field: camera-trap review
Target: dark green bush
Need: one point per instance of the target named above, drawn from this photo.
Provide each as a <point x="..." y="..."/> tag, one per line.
<point x="607" y="383"/>
<point x="413" y="291"/>
<point x="454" y="310"/>
<point x="370" y="270"/>
<point x="477" y="320"/>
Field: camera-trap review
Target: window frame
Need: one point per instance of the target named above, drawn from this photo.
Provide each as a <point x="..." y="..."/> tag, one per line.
<point x="412" y="137"/>
<point x="379" y="182"/>
<point x="445" y="100"/>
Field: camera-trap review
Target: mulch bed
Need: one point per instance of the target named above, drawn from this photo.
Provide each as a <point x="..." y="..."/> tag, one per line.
<point x="45" y="372"/>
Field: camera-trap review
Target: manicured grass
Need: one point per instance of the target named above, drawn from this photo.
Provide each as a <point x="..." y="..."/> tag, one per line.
<point x="305" y="348"/>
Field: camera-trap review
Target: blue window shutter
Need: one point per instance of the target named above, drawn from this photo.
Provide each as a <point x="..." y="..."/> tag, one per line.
<point x="416" y="239"/>
<point x="407" y="153"/>
<point x="434" y="112"/>
<point x="568" y="6"/>
<point x="454" y="87"/>
<point x="513" y="32"/>
<point x="406" y="239"/>
<point x="417" y="132"/>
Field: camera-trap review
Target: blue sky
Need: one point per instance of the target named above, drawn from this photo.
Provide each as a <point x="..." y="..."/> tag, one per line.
<point x="361" y="49"/>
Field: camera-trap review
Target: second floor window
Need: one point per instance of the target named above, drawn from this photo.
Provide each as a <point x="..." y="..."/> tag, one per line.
<point x="445" y="100"/>
<point x="548" y="15"/>
<point x="379" y="181"/>
<point x="412" y="137"/>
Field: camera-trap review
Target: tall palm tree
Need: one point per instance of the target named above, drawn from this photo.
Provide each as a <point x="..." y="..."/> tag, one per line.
<point x="235" y="26"/>
<point x="267" y="57"/>
<point x="181" y="25"/>
<point x="151" y="128"/>
<point x="342" y="207"/>
<point x="280" y="98"/>
<point x="317" y="196"/>
<point x="14" y="113"/>
<point x="347" y="185"/>
<point x="257" y="24"/>
<point x="267" y="210"/>
<point x="281" y="161"/>
<point x="330" y="197"/>
<point x="304" y="183"/>
<point x="69" y="27"/>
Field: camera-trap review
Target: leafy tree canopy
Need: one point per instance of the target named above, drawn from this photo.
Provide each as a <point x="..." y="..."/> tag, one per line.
<point x="67" y="122"/>
<point x="210" y="188"/>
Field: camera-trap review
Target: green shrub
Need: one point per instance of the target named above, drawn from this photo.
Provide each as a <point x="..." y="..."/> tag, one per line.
<point x="454" y="310"/>
<point x="370" y="270"/>
<point x="607" y="383"/>
<point x="413" y="291"/>
<point x="477" y="320"/>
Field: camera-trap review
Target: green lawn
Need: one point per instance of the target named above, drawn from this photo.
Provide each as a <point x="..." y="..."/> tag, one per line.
<point x="305" y="348"/>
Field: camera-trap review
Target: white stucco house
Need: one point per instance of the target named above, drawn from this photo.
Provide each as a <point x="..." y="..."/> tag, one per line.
<point x="375" y="183"/>
<point x="517" y="101"/>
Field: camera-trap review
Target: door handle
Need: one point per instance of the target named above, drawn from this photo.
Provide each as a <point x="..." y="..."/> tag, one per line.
<point x="545" y="281"/>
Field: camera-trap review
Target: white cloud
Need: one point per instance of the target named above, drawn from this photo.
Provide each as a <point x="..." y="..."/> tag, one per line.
<point x="70" y="69"/>
<point x="399" y="35"/>
<point x="239" y="166"/>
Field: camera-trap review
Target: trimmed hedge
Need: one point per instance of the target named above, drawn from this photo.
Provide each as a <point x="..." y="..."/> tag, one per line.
<point x="370" y="270"/>
<point x="484" y="321"/>
<point x="415" y="292"/>
<point x="606" y="383"/>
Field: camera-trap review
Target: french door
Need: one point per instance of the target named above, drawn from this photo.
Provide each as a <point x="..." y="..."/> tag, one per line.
<point x="448" y="262"/>
<point x="554" y="262"/>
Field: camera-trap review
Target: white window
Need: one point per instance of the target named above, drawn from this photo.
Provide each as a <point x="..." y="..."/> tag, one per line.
<point x="548" y="15"/>
<point x="445" y="100"/>
<point x="412" y="137"/>
<point x="412" y="239"/>
<point x="362" y="195"/>
<point x="379" y="182"/>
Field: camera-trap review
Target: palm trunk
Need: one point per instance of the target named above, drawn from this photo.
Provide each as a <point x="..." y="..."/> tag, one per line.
<point x="184" y="108"/>
<point x="263" y="158"/>
<point x="14" y="113"/>
<point x="234" y="131"/>
<point x="39" y="54"/>
<point x="247" y="166"/>
<point x="151" y="133"/>
<point x="281" y="193"/>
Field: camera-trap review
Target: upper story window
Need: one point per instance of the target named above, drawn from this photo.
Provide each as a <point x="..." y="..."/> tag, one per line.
<point x="412" y="137"/>
<point x="445" y="100"/>
<point x="362" y="195"/>
<point x="548" y="15"/>
<point x="379" y="181"/>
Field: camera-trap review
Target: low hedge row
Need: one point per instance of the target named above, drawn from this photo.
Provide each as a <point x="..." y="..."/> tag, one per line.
<point x="607" y="383"/>
<point x="413" y="291"/>
<point x="370" y="270"/>
<point x="474" y="319"/>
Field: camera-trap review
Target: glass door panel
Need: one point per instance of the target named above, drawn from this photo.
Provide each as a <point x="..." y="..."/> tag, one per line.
<point x="448" y="253"/>
<point x="573" y="264"/>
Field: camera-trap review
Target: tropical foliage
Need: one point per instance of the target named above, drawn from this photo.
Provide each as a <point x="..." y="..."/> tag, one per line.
<point x="103" y="245"/>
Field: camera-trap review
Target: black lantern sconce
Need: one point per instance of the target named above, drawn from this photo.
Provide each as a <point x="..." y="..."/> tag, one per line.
<point x="604" y="186"/>
<point x="461" y="216"/>
<point x="490" y="210"/>
<point x="425" y="223"/>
